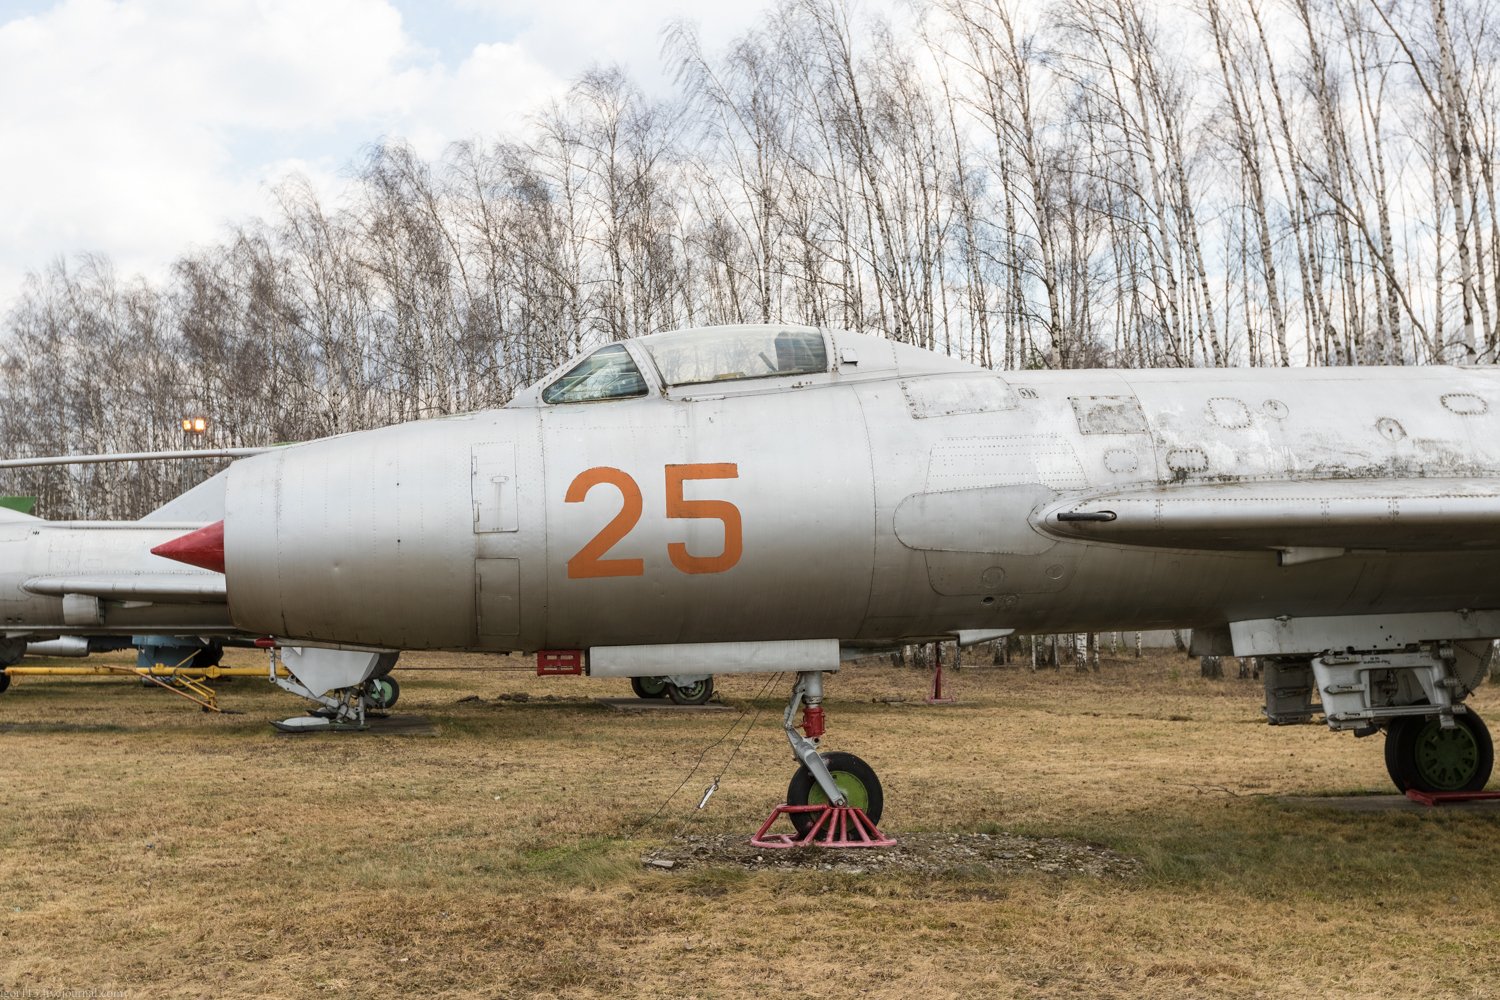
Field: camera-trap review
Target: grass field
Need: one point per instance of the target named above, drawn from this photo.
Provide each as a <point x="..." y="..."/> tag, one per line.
<point x="150" y="850"/>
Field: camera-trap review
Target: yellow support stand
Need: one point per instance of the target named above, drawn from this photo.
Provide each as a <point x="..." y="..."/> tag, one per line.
<point x="186" y="682"/>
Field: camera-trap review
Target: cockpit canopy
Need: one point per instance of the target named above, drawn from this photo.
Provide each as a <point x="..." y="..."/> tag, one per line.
<point x="693" y="357"/>
<point x="730" y="353"/>
<point x="681" y="363"/>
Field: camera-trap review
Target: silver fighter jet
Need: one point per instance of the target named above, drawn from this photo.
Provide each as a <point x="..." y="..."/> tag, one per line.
<point x="70" y="587"/>
<point x="780" y="498"/>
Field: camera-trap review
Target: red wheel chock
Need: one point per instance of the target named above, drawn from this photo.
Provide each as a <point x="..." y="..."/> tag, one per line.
<point x="1440" y="798"/>
<point x="836" y="826"/>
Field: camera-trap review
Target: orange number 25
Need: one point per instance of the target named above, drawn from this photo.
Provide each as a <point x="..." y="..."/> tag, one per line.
<point x="590" y="561"/>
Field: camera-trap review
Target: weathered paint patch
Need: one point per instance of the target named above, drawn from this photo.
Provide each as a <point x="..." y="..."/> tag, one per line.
<point x="1108" y="414"/>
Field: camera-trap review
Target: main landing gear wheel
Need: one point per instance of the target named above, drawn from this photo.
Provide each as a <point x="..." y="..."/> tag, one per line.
<point x="695" y="693"/>
<point x="649" y="687"/>
<point x="4" y="681"/>
<point x="209" y="656"/>
<point x="1421" y="754"/>
<point x="1394" y="734"/>
<point x="855" y="778"/>
<point x="383" y="692"/>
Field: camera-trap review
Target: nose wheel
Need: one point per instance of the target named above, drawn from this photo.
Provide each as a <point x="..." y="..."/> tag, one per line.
<point x="855" y="779"/>
<point x="834" y="799"/>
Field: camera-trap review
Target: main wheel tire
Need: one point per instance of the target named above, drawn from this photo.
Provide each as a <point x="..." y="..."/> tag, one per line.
<point x="1395" y="732"/>
<point x="4" y="681"/>
<point x="855" y="778"/>
<point x="1430" y="758"/>
<point x="383" y="692"/>
<point x="209" y="656"/>
<point x="695" y="693"/>
<point x="649" y="687"/>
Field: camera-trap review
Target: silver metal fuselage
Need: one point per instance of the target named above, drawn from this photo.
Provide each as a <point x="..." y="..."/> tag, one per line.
<point x="60" y="578"/>
<point x="895" y="497"/>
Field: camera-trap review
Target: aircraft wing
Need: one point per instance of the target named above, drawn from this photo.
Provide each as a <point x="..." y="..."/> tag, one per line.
<point x="128" y="456"/>
<point x="171" y="588"/>
<point x="1321" y="516"/>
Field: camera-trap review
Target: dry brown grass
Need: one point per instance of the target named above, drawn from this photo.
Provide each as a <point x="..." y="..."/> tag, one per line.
<point x="150" y="849"/>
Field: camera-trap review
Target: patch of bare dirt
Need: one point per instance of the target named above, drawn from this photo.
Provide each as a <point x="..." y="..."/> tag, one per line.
<point x="914" y="853"/>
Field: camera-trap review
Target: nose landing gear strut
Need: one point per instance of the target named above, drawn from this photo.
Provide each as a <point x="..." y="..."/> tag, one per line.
<point x="833" y="800"/>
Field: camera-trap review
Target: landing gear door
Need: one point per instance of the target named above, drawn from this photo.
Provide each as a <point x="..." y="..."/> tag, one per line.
<point x="492" y="471"/>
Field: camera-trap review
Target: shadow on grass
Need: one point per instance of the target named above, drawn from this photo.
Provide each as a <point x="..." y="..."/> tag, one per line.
<point x="67" y="727"/>
<point x="1273" y="850"/>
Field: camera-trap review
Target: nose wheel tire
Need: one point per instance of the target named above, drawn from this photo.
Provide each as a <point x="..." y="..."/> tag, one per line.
<point x="649" y="687"/>
<point x="383" y="692"/>
<point x="855" y="778"/>
<point x="696" y="693"/>
<point x="1421" y="754"/>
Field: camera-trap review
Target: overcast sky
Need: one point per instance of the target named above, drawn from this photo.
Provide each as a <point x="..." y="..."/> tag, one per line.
<point x="142" y="127"/>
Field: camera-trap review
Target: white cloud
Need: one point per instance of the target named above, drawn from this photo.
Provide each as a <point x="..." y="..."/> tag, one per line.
<point x="577" y="34"/>
<point x="140" y="128"/>
<point x="490" y="92"/>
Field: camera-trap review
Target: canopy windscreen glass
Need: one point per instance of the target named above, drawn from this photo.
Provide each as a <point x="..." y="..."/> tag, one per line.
<point x="608" y="373"/>
<point x="696" y="356"/>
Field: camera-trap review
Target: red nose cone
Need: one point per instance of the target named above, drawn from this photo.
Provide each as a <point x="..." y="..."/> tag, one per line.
<point x="204" y="547"/>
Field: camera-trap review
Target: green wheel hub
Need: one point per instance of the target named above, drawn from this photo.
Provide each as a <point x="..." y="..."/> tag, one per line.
<point x="1446" y="759"/>
<point x="696" y="693"/>
<point x="855" y="792"/>
<point x="382" y="692"/>
<point x="654" y="687"/>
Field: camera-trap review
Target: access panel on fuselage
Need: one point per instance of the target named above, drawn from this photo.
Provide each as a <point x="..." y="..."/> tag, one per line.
<point x="737" y="518"/>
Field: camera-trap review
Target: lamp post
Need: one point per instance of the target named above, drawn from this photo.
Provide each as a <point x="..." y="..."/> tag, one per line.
<point x="193" y="431"/>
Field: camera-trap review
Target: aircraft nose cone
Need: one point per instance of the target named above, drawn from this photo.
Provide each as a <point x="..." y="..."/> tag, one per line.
<point x="203" y="548"/>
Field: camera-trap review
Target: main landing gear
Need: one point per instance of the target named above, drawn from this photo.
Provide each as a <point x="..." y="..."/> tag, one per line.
<point x="1439" y="753"/>
<point x="382" y="693"/>
<point x="834" y="799"/>
<point x="1412" y="689"/>
<point x="345" y="684"/>
<point x="682" y="690"/>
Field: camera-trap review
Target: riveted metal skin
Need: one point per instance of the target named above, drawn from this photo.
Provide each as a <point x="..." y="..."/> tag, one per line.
<point x="903" y="495"/>
<point x="92" y="578"/>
